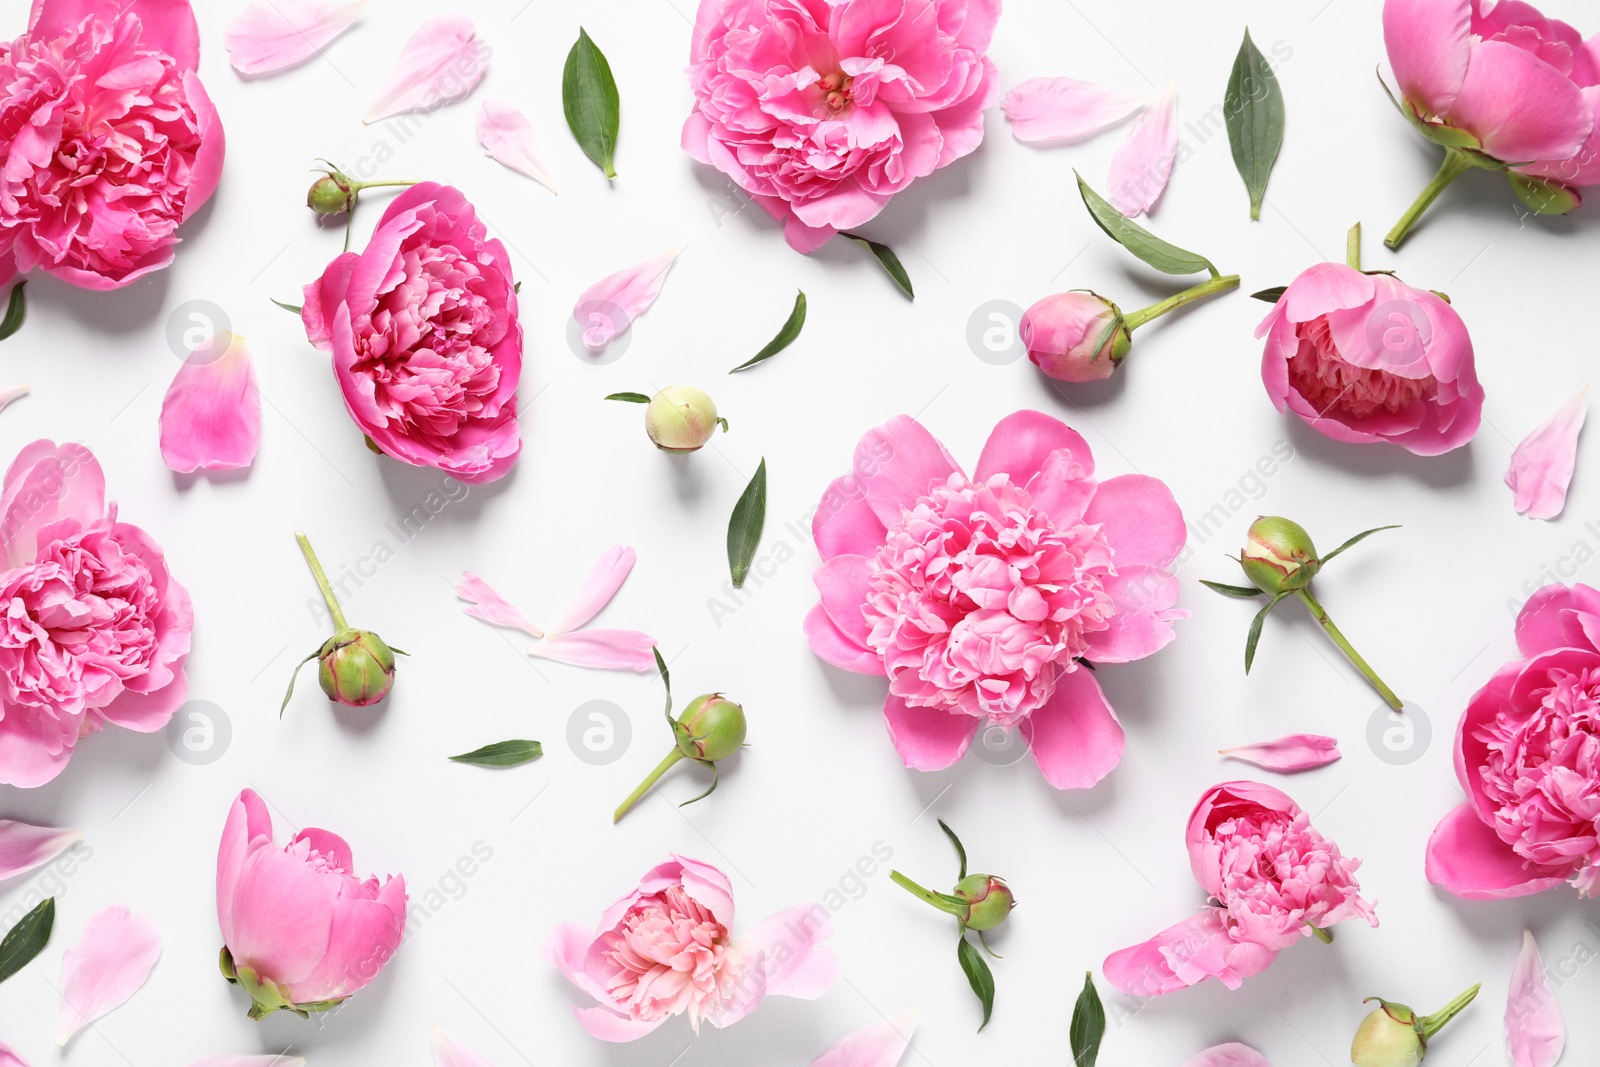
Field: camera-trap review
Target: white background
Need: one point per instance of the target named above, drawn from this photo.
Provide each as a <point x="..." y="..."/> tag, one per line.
<point x="1431" y="604"/>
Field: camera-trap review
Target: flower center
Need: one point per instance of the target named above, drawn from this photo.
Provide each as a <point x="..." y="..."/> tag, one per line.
<point x="670" y="955"/>
<point x="836" y="87"/>
<point x="1327" y="381"/>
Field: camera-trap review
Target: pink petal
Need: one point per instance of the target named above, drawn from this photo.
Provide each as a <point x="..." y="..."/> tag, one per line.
<point x="897" y="463"/>
<point x="608" y="307"/>
<point x="1469" y="859"/>
<point x="603" y="1024"/>
<point x="928" y="739"/>
<point x="9" y="393"/>
<point x="1056" y="111"/>
<point x="833" y="645"/>
<point x="1142" y="166"/>
<point x="109" y="963"/>
<point x="1552" y="618"/>
<point x="9" y="1058"/>
<point x="843" y="583"/>
<point x="1075" y="738"/>
<point x="1535" y="1035"/>
<point x="1520" y="107"/>
<point x="247" y="1061"/>
<point x="1232" y="1054"/>
<point x="1140" y="517"/>
<point x="1145" y="597"/>
<point x="612" y="650"/>
<point x="491" y="607"/>
<point x="844" y="522"/>
<point x="441" y="63"/>
<point x="795" y="962"/>
<point x="24" y="847"/>
<point x="1541" y="467"/>
<point x="1185" y="955"/>
<point x="1286" y="755"/>
<point x="211" y="417"/>
<point x="1428" y="43"/>
<point x="448" y="1052"/>
<point x="1023" y="442"/>
<point x="607" y="576"/>
<point x="46" y="483"/>
<point x="507" y="135"/>
<point x="883" y="1044"/>
<point x="271" y="35"/>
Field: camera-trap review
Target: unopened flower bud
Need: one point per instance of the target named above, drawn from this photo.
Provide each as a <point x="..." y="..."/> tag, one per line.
<point x="989" y="900"/>
<point x="332" y="194"/>
<point x="1075" y="337"/>
<point x="711" y="728"/>
<point x="355" y="668"/>
<point x="1396" y="1036"/>
<point x="681" y="419"/>
<point x="1279" y="556"/>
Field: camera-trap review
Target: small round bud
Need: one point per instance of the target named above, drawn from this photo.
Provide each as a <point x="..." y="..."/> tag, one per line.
<point x="681" y="419"/>
<point x="1388" y="1037"/>
<point x="1075" y="337"/>
<point x="332" y="194"/>
<point x="355" y="668"/>
<point x="989" y="900"/>
<point x="1279" y="556"/>
<point x="711" y="728"/>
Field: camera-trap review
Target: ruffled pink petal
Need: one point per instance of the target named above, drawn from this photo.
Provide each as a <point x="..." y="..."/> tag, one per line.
<point x="1289" y="754"/>
<point x="844" y="522"/>
<point x="1552" y="618"/>
<point x="1541" y="467"/>
<point x="612" y="650"/>
<point x="1022" y="442"/>
<point x="1520" y="107"/>
<point x="245" y="1061"/>
<point x="491" y="607"/>
<point x="603" y="1024"/>
<point x="1063" y="488"/>
<point x="448" y="1052"/>
<point x="206" y="173"/>
<point x="272" y="35"/>
<point x="928" y="739"/>
<point x="1535" y="1034"/>
<point x="1142" y="166"/>
<point x="1144" y="596"/>
<point x="1057" y="111"/>
<point x="211" y="416"/>
<point x="897" y="464"/>
<point x="1469" y="859"/>
<point x="833" y="645"/>
<point x="1075" y="737"/>
<point x="167" y="25"/>
<point x="24" y="846"/>
<point x="605" y="578"/>
<point x="47" y="483"/>
<point x="1140" y="517"/>
<point x="508" y="137"/>
<point x="1428" y="42"/>
<point x="441" y="63"/>
<point x="1185" y="955"/>
<point x="608" y="307"/>
<point x="883" y="1044"/>
<point x="1232" y="1054"/>
<point x="109" y="964"/>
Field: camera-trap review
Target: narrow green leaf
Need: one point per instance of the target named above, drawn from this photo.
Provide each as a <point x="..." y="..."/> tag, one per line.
<point x="27" y="939"/>
<point x="744" y="529"/>
<point x="502" y="754"/>
<point x="786" y="336"/>
<point x="16" y="311"/>
<point x="1164" y="257"/>
<point x="1088" y="1025"/>
<point x="1271" y="296"/>
<point x="890" y="261"/>
<point x="666" y="682"/>
<point x="978" y="976"/>
<point x="1240" y="591"/>
<point x="630" y="398"/>
<point x="589" y="98"/>
<point x="960" y="850"/>
<point x="1357" y="539"/>
<point x="291" y="308"/>
<point x="1255" y="631"/>
<point x="1254" y="110"/>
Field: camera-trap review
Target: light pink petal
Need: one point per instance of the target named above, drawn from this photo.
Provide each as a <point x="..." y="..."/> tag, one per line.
<point x="603" y="1024"/>
<point x="1553" y="618"/>
<point x="1428" y="42"/>
<point x="795" y="962"/>
<point x="1535" y="1035"/>
<point x="606" y="577"/>
<point x="928" y="739"/>
<point x="844" y="521"/>
<point x="883" y="1044"/>
<point x="211" y="417"/>
<point x="833" y="645"/>
<point x="1469" y="859"/>
<point x="507" y="135"/>
<point x="1541" y="467"/>
<point x="9" y="393"/>
<point x="897" y="463"/>
<point x="8" y="1058"/>
<point x="109" y="963"/>
<point x="448" y="1052"/>
<point x="491" y="607"/>
<point x="1023" y="442"/>
<point x="1142" y="166"/>
<point x="1520" y="107"/>
<point x="612" y="650"/>
<point x="246" y="1061"/>
<point x="46" y="483"/>
<point x="1056" y="111"/>
<point x="844" y="583"/>
<point x="1232" y="1054"/>
<point x="1289" y="754"/>
<point x="1187" y="954"/>
<point x="1144" y="596"/>
<point x="608" y="307"/>
<point x="1075" y="738"/>
<point x="1140" y="517"/>
<point x="24" y="846"/>
<point x="271" y="35"/>
<point x="441" y="63"/>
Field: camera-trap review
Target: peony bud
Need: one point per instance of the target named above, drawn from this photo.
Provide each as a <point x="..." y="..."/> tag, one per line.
<point x="355" y="668"/>
<point x="1395" y="1036"/>
<point x="332" y="194"/>
<point x="1075" y="337"/>
<point x="989" y="900"/>
<point x="682" y="419"/>
<point x="1279" y="556"/>
<point x="711" y="728"/>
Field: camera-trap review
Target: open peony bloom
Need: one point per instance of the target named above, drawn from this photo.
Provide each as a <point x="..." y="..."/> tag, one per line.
<point x="96" y="632"/>
<point x="1365" y="357"/>
<point x="300" y="931"/>
<point x="1528" y="757"/>
<point x="668" y="948"/>
<point x="823" y="111"/>
<point x="980" y="598"/>
<point x="424" y="335"/>
<point x="108" y="140"/>
<point x="1272" y="880"/>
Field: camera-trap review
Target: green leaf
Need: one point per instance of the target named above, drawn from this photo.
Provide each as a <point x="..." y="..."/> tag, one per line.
<point x="1255" y="631"/>
<point x="1271" y="296"/>
<point x="666" y="680"/>
<point x="960" y="851"/>
<point x="502" y="754"/>
<point x="890" y="261"/>
<point x="744" y="528"/>
<point x="1166" y="258"/>
<point x="1088" y="1025"/>
<point x="16" y="311"/>
<point x="630" y="398"/>
<point x="589" y="97"/>
<point x="786" y="336"/>
<point x="1254" y="109"/>
<point x="1362" y="536"/>
<point x="978" y="976"/>
<point x="291" y="308"/>
<point x="27" y="939"/>
<point x="1240" y="591"/>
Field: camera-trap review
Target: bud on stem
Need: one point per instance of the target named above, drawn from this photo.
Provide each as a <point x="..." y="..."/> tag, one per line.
<point x="711" y="729"/>
<point x="1395" y="1036"/>
<point x="354" y="667"/>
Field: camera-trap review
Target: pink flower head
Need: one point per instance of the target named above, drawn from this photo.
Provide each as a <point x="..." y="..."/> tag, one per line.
<point x="1074" y="336"/>
<point x="822" y="110"/>
<point x="108" y="142"/>
<point x="1365" y="357"/>
<point x="425" y="338"/>
<point x="668" y="948"/>
<point x="1528" y="757"/>
<point x="95" y="630"/>
<point x="1272" y="879"/>
<point x="981" y="597"/>
<point x="301" y="930"/>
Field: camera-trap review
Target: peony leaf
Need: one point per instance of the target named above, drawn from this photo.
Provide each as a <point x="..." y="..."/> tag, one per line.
<point x="630" y="398"/>
<point x="978" y="976"/>
<point x="1254" y="109"/>
<point x="1255" y="631"/>
<point x="589" y="98"/>
<point x="27" y="939"/>
<point x="961" y="851"/>
<point x="786" y="336"/>
<point x="1357" y="539"/>
<point x="1271" y="296"/>
<point x="1088" y="1025"/>
<point x="502" y="754"/>
<point x="1243" y="592"/>
<point x="744" y="528"/>
<point x="889" y="260"/>
<point x="1164" y="257"/>
<point x="16" y="311"/>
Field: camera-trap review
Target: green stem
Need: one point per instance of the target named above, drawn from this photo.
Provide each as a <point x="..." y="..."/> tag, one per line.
<point x="928" y="896"/>
<point x="322" y="583"/>
<point x="1352" y="247"/>
<point x="1456" y="163"/>
<point x="1320" y="613"/>
<point x="1325" y="936"/>
<point x="358" y="186"/>
<point x="1136" y="319"/>
<point x="1432" y="1024"/>
<point x="644" y="787"/>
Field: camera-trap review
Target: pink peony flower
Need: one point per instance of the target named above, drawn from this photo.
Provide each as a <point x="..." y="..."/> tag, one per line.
<point x="95" y="630"/>
<point x="108" y="140"/>
<point x="1074" y="337"/>
<point x="822" y="110"/>
<point x="981" y="598"/>
<point x="1365" y="357"/>
<point x="300" y="930"/>
<point x="668" y="948"/>
<point x="1272" y="880"/>
<point x="425" y="338"/>
<point x="1528" y="757"/>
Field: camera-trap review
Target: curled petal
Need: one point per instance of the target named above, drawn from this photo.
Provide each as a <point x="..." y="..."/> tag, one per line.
<point x="613" y="650"/>
<point x="1232" y="1054"/>
<point x="9" y="393"/>
<point x="1535" y="1034"/>
<point x="1286" y="755"/>
<point x="1142" y="166"/>
<point x="24" y="847"/>
<point x="1541" y="467"/>
<point x="507" y="135"/>
<point x="109" y="964"/>
<point x="272" y="35"/>
<point x="448" y="1052"/>
<point x="443" y="62"/>
<point x="883" y="1044"/>
<point x="608" y="307"/>
<point x="1056" y="111"/>
<point x="491" y="607"/>
<point x="211" y="416"/>
<point x="609" y="572"/>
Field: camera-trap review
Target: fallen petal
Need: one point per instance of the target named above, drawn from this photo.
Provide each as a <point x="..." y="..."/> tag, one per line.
<point x="24" y="847"/>
<point x="8" y="393"/>
<point x="882" y="1044"/>
<point x="507" y="135"/>
<point x="1057" y="111"/>
<point x="443" y="62"/>
<point x="211" y="417"/>
<point x="247" y="1061"/>
<point x="608" y="307"/>
<point x="612" y="650"/>
<point x="109" y="963"/>
<point x="1232" y="1054"/>
<point x="491" y="607"/>
<point x="1534" y="1031"/>
<point x="1541" y="467"/>
<point x="609" y="572"/>
<point x="1286" y="755"/>
<point x="272" y="35"/>
<point x="448" y="1052"/>
<point x="9" y="1058"/>
<point x="1142" y="166"/>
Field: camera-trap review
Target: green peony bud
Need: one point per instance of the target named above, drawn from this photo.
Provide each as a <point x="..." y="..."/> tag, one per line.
<point x="1278" y="556"/>
<point x="1388" y="1037"/>
<point x="682" y="419"/>
<point x="989" y="900"/>
<point x="355" y="668"/>
<point x="332" y="194"/>
<point x="711" y="728"/>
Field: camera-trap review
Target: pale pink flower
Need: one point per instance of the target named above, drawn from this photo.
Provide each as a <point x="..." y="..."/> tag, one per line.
<point x="273" y="35"/>
<point x="1541" y="466"/>
<point x="211" y="415"/>
<point x="668" y="948"/>
<point x="1289" y="754"/>
<point x="109" y="964"/>
<point x="1143" y="165"/>
<point x="1057" y="111"/>
<point x="1535" y="1034"/>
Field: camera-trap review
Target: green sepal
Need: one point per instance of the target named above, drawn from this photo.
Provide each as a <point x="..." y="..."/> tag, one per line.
<point x="1544" y="197"/>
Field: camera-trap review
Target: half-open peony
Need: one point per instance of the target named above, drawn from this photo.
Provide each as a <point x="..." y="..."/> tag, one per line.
<point x="822" y="111"/>
<point x="300" y="931"/>
<point x="1272" y="880"/>
<point x="108" y="139"/>
<point x="981" y="598"/>
<point x="96" y="632"/>
<point x="423" y="331"/>
<point x="668" y="948"/>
